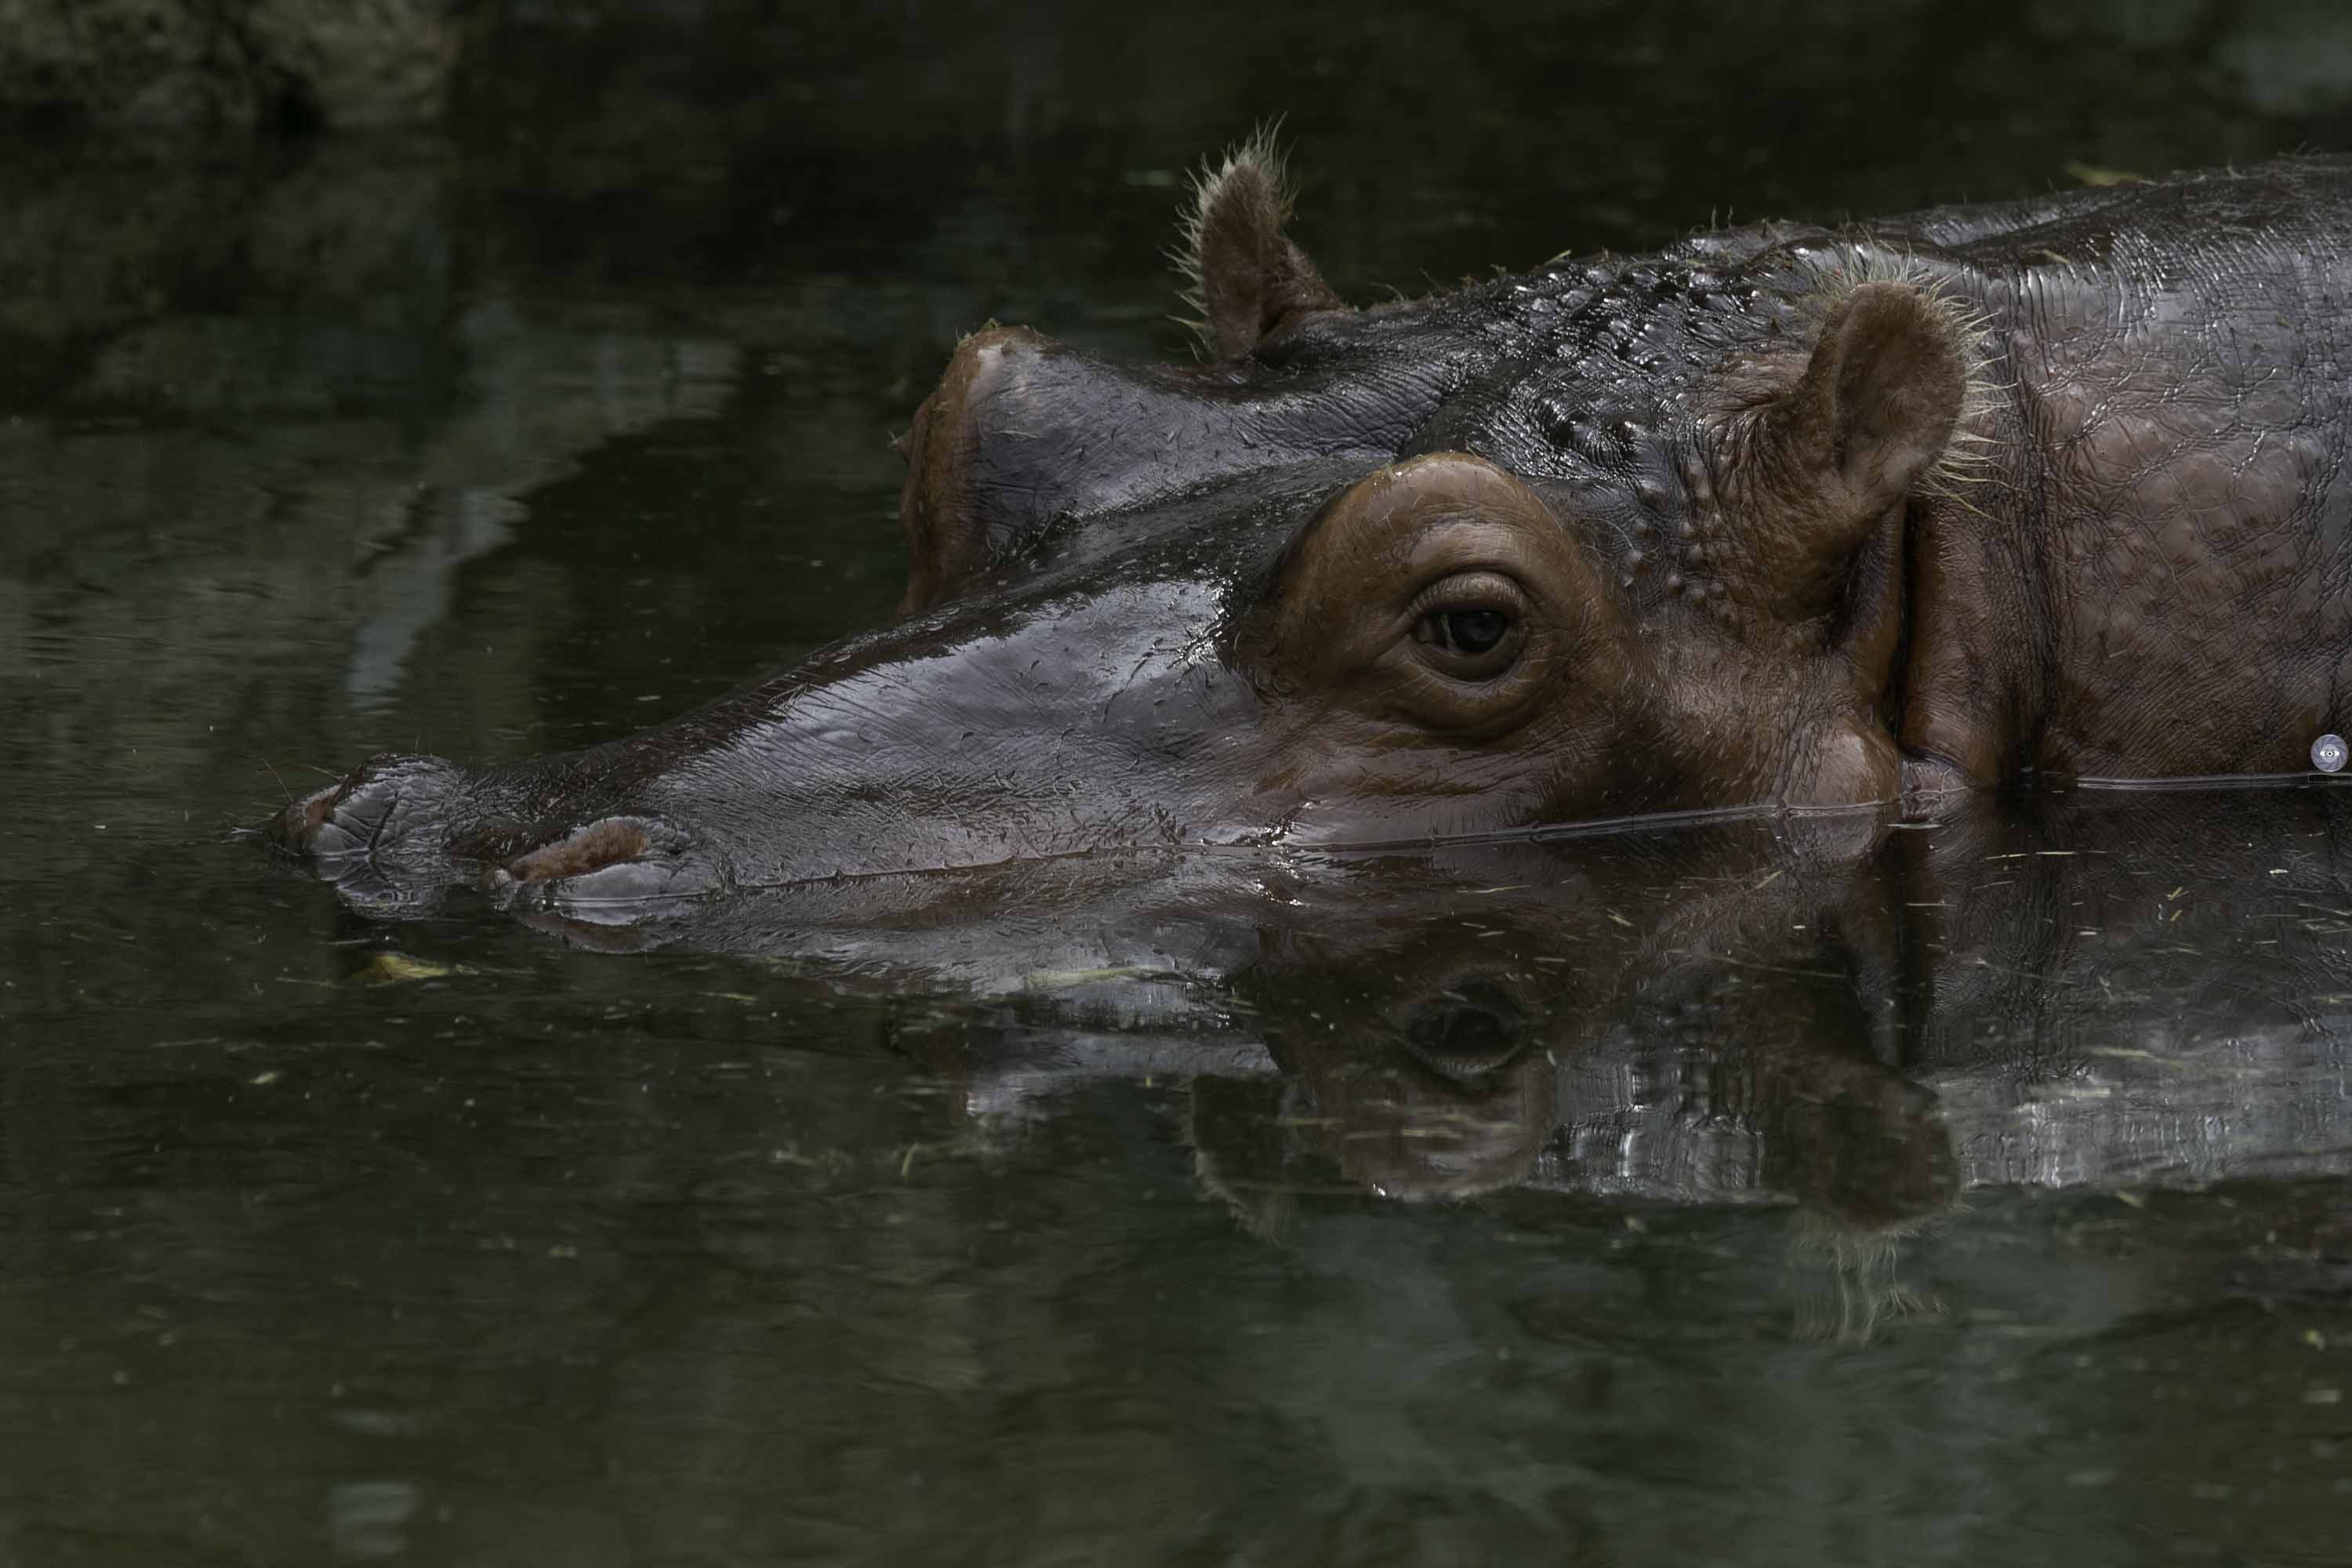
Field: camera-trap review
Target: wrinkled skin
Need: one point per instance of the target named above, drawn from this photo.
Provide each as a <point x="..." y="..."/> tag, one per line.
<point x="1781" y="514"/>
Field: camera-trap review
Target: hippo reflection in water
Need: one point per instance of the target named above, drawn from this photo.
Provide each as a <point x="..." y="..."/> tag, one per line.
<point x="1789" y="514"/>
<point x="2121" y="990"/>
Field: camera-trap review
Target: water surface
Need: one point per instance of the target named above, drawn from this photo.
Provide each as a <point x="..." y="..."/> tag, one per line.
<point x="1766" y="1192"/>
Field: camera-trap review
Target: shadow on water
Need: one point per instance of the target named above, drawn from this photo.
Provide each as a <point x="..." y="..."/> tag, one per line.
<point x="1776" y="1190"/>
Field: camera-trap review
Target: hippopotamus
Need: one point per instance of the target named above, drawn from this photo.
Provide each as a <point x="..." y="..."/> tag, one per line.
<point x="1784" y="514"/>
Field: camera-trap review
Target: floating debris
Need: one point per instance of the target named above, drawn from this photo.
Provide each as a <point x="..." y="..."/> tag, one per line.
<point x="2097" y="174"/>
<point x="392" y="968"/>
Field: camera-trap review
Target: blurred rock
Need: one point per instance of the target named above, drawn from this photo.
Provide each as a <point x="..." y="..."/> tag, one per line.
<point x="291" y="65"/>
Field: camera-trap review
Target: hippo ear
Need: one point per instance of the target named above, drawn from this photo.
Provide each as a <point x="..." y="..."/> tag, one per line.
<point x="1870" y="417"/>
<point x="1877" y="405"/>
<point x="1248" y="279"/>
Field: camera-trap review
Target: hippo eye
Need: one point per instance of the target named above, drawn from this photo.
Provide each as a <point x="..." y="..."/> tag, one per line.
<point x="1471" y="1029"/>
<point x="1470" y="628"/>
<point x="1473" y="631"/>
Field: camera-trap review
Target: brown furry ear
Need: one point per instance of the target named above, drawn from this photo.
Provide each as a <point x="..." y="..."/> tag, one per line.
<point x="1842" y="436"/>
<point x="1248" y="279"/>
<point x="1877" y="405"/>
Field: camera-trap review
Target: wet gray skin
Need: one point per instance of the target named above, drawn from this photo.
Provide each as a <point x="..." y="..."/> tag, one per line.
<point x="1027" y="725"/>
<point x="1798" y="516"/>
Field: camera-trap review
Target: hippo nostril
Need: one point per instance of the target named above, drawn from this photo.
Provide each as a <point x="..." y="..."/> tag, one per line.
<point x="293" y="827"/>
<point x="355" y="819"/>
<point x="387" y="807"/>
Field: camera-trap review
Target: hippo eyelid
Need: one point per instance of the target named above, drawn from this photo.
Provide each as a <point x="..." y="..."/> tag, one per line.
<point x="1257" y="581"/>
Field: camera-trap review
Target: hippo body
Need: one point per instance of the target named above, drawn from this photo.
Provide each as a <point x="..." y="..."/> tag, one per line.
<point x="1782" y="514"/>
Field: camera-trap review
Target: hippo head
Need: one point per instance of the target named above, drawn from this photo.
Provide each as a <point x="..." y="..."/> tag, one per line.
<point x="1603" y="540"/>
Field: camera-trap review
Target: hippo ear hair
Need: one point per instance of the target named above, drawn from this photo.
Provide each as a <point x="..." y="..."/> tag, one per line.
<point x="1837" y="435"/>
<point x="1889" y="380"/>
<point x="1243" y="276"/>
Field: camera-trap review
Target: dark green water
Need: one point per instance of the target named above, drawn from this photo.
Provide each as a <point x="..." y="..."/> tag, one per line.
<point x="1769" y="1194"/>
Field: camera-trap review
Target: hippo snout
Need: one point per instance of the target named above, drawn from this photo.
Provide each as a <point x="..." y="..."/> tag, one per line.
<point x="389" y="815"/>
<point x="400" y="831"/>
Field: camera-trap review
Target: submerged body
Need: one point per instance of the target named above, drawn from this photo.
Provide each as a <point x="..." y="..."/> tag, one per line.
<point x="1781" y="514"/>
